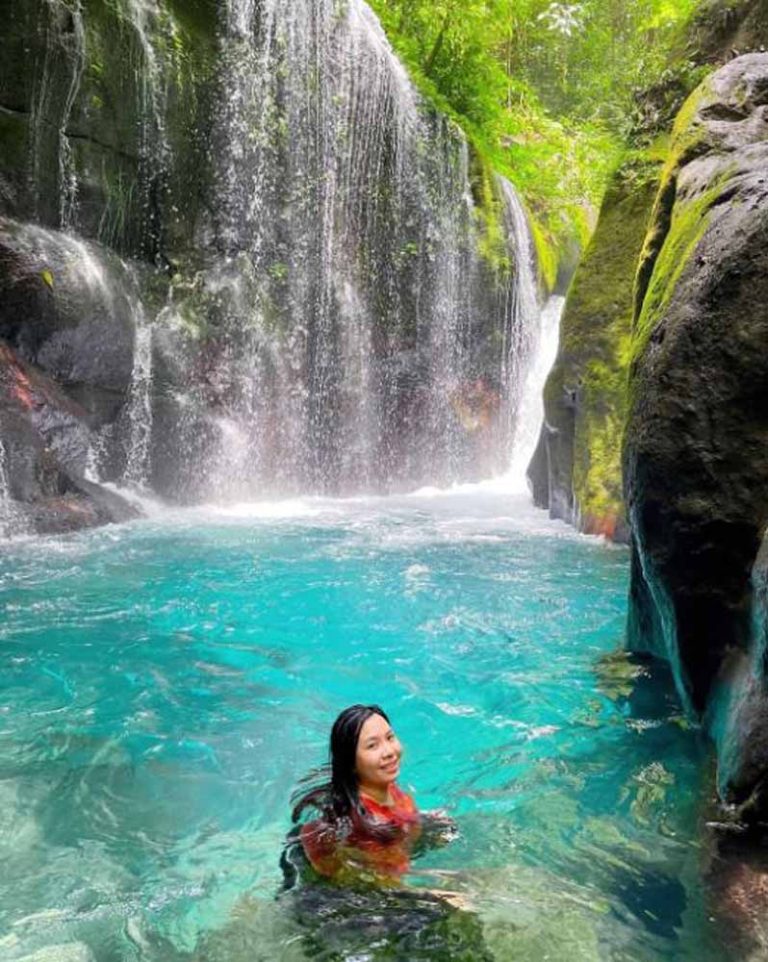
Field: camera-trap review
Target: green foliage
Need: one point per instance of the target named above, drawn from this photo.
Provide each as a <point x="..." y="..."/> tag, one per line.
<point x="546" y="90"/>
<point x="493" y="246"/>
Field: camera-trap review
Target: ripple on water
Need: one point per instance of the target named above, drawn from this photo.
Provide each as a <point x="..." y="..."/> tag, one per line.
<point x="172" y="680"/>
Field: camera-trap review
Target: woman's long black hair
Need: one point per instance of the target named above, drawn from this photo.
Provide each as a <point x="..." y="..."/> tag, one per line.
<point x="338" y="797"/>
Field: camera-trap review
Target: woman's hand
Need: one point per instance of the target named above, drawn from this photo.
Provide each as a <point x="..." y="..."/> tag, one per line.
<point x="437" y="829"/>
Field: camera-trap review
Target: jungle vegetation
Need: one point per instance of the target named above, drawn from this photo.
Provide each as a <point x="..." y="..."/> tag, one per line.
<point x="547" y="92"/>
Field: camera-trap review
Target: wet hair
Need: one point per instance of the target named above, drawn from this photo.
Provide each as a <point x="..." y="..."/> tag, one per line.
<point x="337" y="796"/>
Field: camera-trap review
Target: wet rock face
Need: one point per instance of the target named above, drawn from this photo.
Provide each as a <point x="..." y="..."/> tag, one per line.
<point x="63" y="312"/>
<point x="45" y="442"/>
<point x="81" y="128"/>
<point x="696" y="454"/>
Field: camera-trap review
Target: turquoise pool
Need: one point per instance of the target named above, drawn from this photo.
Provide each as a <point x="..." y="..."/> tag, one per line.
<point x="166" y="683"/>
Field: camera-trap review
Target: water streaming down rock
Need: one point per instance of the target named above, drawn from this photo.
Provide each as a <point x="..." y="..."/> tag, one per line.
<point x="7" y="510"/>
<point x="139" y="409"/>
<point x="356" y="325"/>
<point x="348" y="295"/>
<point x="155" y="38"/>
<point x="92" y="337"/>
<point x="530" y="416"/>
<point x="56" y="84"/>
<point x="523" y="334"/>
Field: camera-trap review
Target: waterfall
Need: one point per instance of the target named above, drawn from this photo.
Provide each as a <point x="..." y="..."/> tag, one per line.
<point x="8" y="514"/>
<point x="332" y="321"/>
<point x="139" y="412"/>
<point x="521" y="336"/>
<point x="155" y="38"/>
<point x="531" y="408"/>
<point x="349" y="317"/>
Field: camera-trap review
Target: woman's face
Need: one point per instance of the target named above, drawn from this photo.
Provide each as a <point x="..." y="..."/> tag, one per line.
<point x="377" y="760"/>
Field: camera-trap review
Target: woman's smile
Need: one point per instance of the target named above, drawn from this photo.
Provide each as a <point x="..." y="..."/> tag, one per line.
<point x="377" y="760"/>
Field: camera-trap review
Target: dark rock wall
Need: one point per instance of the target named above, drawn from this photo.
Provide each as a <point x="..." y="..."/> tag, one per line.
<point x="99" y="127"/>
<point x="45" y="442"/>
<point x="696" y="453"/>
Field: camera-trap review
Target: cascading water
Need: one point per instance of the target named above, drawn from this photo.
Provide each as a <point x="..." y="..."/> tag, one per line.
<point x="350" y="319"/>
<point x="521" y="337"/>
<point x="336" y="319"/>
<point x="144" y="16"/>
<point x="99" y="350"/>
<point x="8" y="519"/>
<point x="139" y="413"/>
<point x="67" y="169"/>
<point x="531" y="407"/>
<point x="52" y="104"/>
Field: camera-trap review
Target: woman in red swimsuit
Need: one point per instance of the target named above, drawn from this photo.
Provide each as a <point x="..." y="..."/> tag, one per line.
<point x="367" y="824"/>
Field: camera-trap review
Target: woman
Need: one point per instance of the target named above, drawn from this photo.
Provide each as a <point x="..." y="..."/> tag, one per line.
<point x="367" y="824"/>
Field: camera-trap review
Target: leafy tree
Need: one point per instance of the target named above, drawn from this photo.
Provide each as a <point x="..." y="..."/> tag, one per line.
<point x="543" y="88"/>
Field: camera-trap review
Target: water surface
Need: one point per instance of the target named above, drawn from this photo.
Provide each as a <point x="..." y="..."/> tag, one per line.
<point x="166" y="683"/>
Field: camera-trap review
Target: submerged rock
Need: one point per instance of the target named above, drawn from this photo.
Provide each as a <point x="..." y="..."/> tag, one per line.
<point x="71" y="952"/>
<point x="696" y="458"/>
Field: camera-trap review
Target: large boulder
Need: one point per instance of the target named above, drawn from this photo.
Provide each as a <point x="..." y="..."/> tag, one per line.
<point x="71" y="309"/>
<point x="576" y="470"/>
<point x="696" y="457"/>
<point x="43" y="458"/>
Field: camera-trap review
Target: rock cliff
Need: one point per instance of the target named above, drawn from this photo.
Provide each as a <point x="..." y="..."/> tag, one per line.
<point x="576" y="472"/>
<point x="696" y="458"/>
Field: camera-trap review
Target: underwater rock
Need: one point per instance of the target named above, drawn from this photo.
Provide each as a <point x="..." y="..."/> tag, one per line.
<point x="696" y="460"/>
<point x="71" y="952"/>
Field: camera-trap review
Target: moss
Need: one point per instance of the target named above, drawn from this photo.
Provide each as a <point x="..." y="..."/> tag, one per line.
<point x="547" y="256"/>
<point x="688" y="225"/>
<point x="591" y="371"/>
<point x="687" y="139"/>
<point x="492" y="237"/>
<point x="676" y="226"/>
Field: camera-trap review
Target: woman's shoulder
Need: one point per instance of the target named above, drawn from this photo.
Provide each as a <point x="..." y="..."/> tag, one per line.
<point x="403" y="801"/>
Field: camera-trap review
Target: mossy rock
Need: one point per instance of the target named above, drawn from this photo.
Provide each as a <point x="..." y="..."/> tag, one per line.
<point x="489" y="204"/>
<point x="695" y="461"/>
<point x="124" y="134"/>
<point x="586" y="391"/>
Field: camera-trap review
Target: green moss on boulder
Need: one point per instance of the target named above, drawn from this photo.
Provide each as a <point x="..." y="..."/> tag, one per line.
<point x="696" y="458"/>
<point x="489" y="204"/>
<point x="586" y="391"/>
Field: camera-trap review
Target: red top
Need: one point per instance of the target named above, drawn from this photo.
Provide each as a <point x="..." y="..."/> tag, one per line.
<point x="329" y="853"/>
